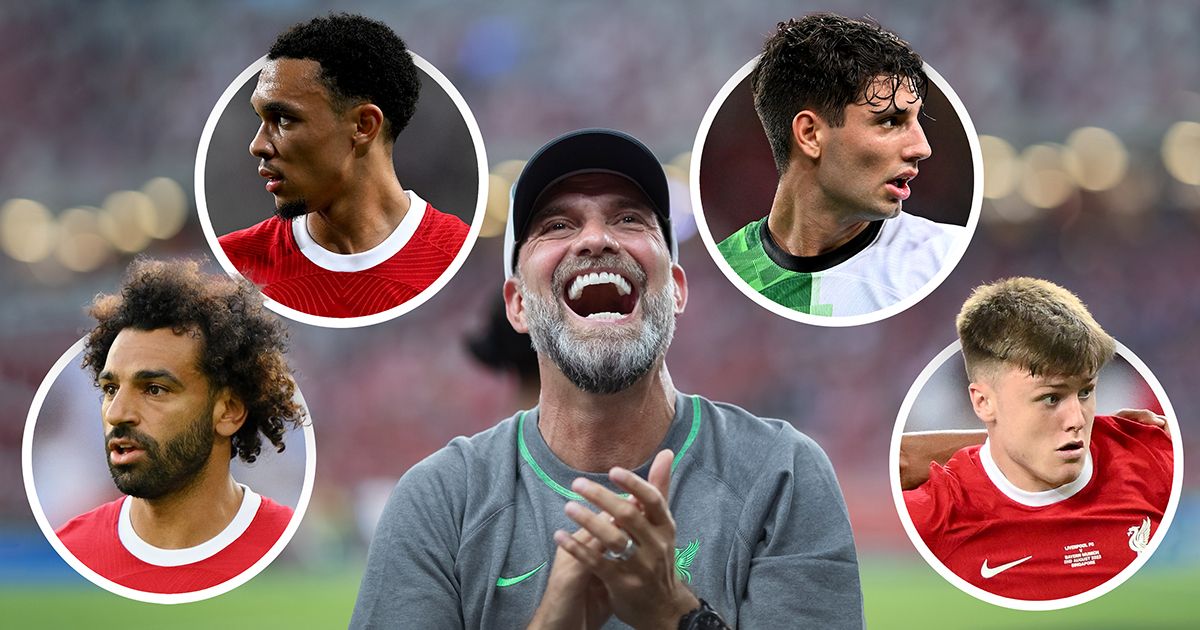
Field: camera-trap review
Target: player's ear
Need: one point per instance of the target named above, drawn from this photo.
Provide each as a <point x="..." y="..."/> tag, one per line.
<point x="806" y="133"/>
<point x="368" y="123"/>
<point x="514" y="305"/>
<point x="229" y="413"/>
<point x="983" y="400"/>
<point x="681" y="290"/>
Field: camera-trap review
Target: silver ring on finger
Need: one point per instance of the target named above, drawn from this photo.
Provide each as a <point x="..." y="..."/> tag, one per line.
<point x="626" y="553"/>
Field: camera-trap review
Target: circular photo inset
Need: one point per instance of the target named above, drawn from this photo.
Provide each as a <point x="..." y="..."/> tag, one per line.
<point x="1042" y="489"/>
<point x="805" y="181"/>
<point x="347" y="180"/>
<point x="142" y="477"/>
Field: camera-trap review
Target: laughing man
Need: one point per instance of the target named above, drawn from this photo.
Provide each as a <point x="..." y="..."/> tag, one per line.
<point x="617" y="501"/>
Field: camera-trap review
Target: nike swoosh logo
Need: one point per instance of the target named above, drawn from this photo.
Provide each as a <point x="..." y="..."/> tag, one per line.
<point x="991" y="572"/>
<point x="502" y="582"/>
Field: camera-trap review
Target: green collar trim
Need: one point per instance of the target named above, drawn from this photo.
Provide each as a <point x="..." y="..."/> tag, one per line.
<point x="575" y="496"/>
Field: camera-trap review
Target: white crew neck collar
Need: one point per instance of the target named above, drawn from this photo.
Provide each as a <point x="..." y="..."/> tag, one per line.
<point x="1034" y="499"/>
<point x="150" y="554"/>
<point x="361" y="261"/>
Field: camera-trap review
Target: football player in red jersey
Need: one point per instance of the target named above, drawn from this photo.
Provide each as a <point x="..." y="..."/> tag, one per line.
<point x="1057" y="500"/>
<point x="192" y="374"/>
<point x="347" y="240"/>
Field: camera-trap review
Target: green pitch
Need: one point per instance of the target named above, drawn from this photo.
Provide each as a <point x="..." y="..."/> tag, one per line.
<point x="911" y="596"/>
<point x="901" y="595"/>
<point x="274" y="599"/>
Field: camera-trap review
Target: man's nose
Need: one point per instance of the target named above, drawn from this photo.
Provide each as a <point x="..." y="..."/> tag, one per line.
<point x="260" y="145"/>
<point x="119" y="408"/>
<point x="918" y="147"/>
<point x="1073" y="414"/>
<point x="595" y="238"/>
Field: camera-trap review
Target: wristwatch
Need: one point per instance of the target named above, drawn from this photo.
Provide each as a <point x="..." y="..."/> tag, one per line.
<point x="702" y="617"/>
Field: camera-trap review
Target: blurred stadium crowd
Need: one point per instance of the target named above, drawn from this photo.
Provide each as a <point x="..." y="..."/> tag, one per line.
<point x="1089" y="112"/>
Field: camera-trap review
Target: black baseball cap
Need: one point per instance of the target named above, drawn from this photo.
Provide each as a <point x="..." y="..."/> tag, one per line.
<point x="586" y="151"/>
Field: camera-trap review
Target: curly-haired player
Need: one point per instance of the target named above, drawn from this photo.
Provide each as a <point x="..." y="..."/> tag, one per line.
<point x="192" y="374"/>
<point x="347" y="240"/>
<point x="840" y="102"/>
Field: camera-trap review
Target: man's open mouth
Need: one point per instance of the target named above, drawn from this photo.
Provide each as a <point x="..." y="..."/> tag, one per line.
<point x="898" y="186"/>
<point x="1071" y="448"/>
<point x="123" y="451"/>
<point x="274" y="179"/>
<point x="601" y="295"/>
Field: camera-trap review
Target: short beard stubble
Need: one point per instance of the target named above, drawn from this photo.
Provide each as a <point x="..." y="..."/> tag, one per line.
<point x="291" y="210"/>
<point x="166" y="468"/>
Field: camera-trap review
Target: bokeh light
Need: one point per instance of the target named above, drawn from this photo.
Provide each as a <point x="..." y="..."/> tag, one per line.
<point x="496" y="213"/>
<point x="1045" y="182"/>
<point x="27" y="230"/>
<point x="1001" y="168"/>
<point x="81" y="246"/>
<point x="500" y="183"/>
<point x="170" y="207"/>
<point x="126" y="217"/>
<point x="509" y="169"/>
<point x="1181" y="152"/>
<point x="683" y="161"/>
<point x="1096" y="158"/>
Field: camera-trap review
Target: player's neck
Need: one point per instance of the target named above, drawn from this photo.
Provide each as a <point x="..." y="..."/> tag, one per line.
<point x="365" y="216"/>
<point x="1021" y="480"/>
<point x="192" y="515"/>
<point x="804" y="221"/>
<point x="594" y="432"/>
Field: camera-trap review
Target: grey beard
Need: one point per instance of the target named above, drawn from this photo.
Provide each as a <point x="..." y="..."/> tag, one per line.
<point x="606" y="361"/>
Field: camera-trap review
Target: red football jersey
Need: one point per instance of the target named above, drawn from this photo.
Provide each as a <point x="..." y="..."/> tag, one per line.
<point x="104" y="540"/>
<point x="292" y="269"/>
<point x="1052" y="544"/>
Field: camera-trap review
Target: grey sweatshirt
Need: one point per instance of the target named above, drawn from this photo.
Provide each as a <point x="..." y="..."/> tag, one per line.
<point x="762" y="533"/>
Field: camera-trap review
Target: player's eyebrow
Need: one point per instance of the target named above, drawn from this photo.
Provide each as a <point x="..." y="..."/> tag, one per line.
<point x="144" y="375"/>
<point x="620" y="203"/>
<point x="1062" y="383"/>
<point x="544" y="213"/>
<point x="157" y="375"/>
<point x="893" y="109"/>
<point x="632" y="202"/>
<point x="276" y="107"/>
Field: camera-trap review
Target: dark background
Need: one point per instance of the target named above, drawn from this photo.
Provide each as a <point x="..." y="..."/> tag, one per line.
<point x="434" y="157"/>
<point x="738" y="176"/>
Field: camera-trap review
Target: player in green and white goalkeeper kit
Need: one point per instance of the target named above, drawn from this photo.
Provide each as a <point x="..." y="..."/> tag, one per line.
<point x="617" y="501"/>
<point x="840" y="101"/>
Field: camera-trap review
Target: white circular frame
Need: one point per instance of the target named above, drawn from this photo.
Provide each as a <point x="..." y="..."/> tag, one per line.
<point x="950" y="352"/>
<point x="952" y="259"/>
<point x="310" y="469"/>
<point x="374" y="318"/>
